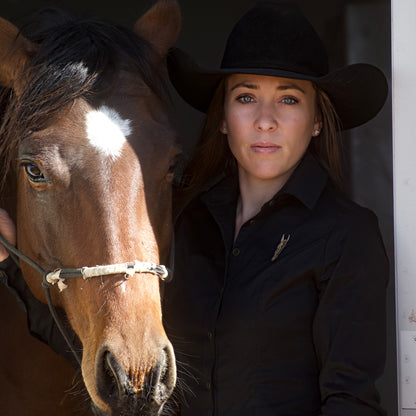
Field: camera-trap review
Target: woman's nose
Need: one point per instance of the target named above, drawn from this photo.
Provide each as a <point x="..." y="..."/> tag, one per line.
<point x="265" y="119"/>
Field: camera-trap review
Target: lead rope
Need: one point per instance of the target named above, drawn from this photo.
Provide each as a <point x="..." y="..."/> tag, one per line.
<point x="58" y="276"/>
<point x="59" y="324"/>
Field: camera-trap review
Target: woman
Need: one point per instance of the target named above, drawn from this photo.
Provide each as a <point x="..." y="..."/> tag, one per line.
<point x="278" y="304"/>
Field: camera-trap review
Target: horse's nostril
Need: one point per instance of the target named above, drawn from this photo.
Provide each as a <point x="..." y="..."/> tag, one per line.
<point x="112" y="380"/>
<point x="164" y="373"/>
<point x="162" y="377"/>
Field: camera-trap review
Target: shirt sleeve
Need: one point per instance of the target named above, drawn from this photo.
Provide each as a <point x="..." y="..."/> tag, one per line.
<point x="350" y="322"/>
<point x="39" y="320"/>
<point x="9" y="270"/>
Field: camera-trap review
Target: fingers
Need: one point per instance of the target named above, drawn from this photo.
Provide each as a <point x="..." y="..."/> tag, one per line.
<point x="8" y="231"/>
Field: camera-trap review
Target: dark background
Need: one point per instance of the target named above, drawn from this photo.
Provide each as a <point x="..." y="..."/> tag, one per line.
<point x="353" y="31"/>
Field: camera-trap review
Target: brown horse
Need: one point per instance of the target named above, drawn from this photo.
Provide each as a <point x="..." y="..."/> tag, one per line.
<point x="87" y="149"/>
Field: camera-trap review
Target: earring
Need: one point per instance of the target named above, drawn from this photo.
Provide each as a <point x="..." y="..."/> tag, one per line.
<point x="223" y="130"/>
<point x="316" y="132"/>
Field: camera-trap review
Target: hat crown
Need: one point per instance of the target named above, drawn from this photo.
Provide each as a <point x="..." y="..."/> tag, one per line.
<point x="276" y="36"/>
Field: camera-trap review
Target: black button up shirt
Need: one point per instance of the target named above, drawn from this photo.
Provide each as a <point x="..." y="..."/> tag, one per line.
<point x="288" y="320"/>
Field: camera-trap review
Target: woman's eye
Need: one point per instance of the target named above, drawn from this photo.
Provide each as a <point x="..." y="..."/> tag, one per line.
<point x="34" y="173"/>
<point x="289" y="100"/>
<point x="245" y="99"/>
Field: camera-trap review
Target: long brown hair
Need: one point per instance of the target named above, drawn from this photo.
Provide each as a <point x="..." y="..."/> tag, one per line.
<point x="212" y="155"/>
<point x="327" y="146"/>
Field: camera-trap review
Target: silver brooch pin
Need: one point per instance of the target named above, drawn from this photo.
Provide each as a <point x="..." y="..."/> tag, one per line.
<point x="280" y="246"/>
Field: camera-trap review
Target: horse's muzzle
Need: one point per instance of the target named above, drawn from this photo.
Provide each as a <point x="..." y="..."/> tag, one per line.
<point x="124" y="397"/>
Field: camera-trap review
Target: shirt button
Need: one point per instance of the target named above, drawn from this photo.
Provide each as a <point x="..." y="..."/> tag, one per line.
<point x="210" y="335"/>
<point x="252" y="222"/>
<point x="208" y="385"/>
<point x="236" y="252"/>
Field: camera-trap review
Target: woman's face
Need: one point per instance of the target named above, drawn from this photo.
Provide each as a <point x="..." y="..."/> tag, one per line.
<point x="269" y="122"/>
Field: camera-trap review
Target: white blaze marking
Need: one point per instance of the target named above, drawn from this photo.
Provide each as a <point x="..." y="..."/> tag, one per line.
<point x="107" y="131"/>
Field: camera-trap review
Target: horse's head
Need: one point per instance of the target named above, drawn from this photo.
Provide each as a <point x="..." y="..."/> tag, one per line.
<point x="87" y="133"/>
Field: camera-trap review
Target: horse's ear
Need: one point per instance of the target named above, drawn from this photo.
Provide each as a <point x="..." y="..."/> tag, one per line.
<point x="160" y="25"/>
<point x="15" y="52"/>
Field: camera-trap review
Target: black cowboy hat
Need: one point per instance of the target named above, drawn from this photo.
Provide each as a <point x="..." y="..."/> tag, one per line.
<point x="274" y="38"/>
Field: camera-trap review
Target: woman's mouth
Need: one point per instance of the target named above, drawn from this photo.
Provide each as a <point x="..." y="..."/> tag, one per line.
<point x="265" y="147"/>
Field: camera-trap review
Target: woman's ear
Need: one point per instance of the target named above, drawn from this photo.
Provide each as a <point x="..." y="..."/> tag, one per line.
<point x="223" y="127"/>
<point x="317" y="127"/>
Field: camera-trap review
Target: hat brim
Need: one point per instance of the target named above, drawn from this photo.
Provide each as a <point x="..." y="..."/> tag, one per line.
<point x="357" y="91"/>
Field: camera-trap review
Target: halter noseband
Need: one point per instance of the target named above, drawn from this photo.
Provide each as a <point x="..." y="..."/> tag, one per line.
<point x="58" y="277"/>
<point x="128" y="269"/>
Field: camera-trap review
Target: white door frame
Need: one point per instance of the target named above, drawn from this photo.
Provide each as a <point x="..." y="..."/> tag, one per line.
<point x="403" y="13"/>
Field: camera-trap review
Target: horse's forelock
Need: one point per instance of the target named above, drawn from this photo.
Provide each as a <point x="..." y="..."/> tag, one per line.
<point x="80" y="58"/>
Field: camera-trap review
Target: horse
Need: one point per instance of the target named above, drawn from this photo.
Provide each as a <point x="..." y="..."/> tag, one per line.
<point x="88" y="148"/>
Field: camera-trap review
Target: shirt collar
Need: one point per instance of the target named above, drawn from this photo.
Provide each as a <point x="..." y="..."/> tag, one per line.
<point x="307" y="182"/>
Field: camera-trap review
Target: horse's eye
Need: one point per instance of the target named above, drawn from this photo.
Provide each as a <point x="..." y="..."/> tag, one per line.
<point x="33" y="171"/>
<point x="173" y="167"/>
<point x="170" y="175"/>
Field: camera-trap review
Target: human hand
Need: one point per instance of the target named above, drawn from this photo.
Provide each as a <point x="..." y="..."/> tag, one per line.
<point x="8" y="231"/>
